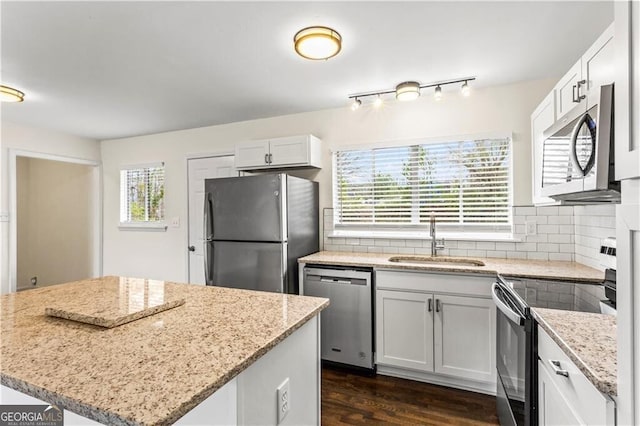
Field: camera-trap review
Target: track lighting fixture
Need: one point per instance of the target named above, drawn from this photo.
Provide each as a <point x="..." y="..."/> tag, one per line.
<point x="410" y="90"/>
<point x="438" y="93"/>
<point x="9" y="94"/>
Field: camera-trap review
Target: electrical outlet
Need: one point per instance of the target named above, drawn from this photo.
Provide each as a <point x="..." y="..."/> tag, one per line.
<point x="284" y="400"/>
<point x="531" y="228"/>
<point x="175" y="222"/>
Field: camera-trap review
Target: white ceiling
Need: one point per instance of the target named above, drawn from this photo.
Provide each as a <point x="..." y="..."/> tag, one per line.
<point x="108" y="70"/>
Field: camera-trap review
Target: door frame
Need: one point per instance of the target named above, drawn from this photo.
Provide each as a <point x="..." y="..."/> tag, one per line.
<point x="96" y="178"/>
<point x="196" y="156"/>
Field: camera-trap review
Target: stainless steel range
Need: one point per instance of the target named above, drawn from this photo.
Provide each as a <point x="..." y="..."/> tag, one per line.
<point x="516" y="337"/>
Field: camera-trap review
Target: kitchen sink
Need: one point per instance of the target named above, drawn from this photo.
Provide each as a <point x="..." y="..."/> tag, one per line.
<point x="437" y="261"/>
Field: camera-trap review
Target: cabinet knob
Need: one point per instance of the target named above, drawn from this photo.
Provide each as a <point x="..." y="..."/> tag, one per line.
<point x="192" y="248"/>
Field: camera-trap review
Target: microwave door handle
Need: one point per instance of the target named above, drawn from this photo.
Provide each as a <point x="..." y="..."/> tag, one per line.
<point x="208" y="237"/>
<point x="574" y="146"/>
<point x="508" y="312"/>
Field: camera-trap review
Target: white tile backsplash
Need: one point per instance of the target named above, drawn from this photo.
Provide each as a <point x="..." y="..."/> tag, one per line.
<point x="565" y="233"/>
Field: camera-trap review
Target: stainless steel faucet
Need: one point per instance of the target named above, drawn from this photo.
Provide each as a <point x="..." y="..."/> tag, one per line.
<point x="435" y="245"/>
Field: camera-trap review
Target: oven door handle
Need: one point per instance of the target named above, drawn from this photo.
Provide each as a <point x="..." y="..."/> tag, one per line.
<point x="508" y="312"/>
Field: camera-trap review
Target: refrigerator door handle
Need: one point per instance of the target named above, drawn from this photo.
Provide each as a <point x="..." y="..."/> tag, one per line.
<point x="207" y="229"/>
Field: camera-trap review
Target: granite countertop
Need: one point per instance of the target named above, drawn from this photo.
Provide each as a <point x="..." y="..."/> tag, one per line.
<point x="589" y="340"/>
<point x="515" y="268"/>
<point x="149" y="371"/>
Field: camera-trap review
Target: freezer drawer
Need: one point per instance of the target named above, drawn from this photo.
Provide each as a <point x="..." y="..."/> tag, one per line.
<point x="347" y="324"/>
<point x="251" y="266"/>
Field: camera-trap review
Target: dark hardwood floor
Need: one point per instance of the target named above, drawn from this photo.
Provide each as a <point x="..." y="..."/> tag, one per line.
<point x="352" y="399"/>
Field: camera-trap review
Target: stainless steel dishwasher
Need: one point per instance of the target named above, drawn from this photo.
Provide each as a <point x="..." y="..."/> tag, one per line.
<point x="347" y="324"/>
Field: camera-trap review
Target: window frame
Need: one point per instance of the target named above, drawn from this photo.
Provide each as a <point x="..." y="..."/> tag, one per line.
<point x="421" y="231"/>
<point x="143" y="225"/>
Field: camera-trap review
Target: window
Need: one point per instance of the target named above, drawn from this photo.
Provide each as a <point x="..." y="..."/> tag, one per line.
<point x="466" y="184"/>
<point x="142" y="195"/>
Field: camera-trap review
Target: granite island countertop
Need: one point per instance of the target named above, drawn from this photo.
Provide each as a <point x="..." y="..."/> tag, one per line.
<point x="589" y="340"/>
<point x="149" y="371"/>
<point x="515" y="268"/>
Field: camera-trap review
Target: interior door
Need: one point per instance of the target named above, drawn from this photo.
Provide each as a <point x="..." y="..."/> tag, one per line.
<point x="200" y="169"/>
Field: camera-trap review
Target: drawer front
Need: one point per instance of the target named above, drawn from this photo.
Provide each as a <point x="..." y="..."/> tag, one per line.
<point x="593" y="407"/>
<point x="430" y="282"/>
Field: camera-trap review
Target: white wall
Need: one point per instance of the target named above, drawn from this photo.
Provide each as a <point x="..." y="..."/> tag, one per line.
<point x="18" y="137"/>
<point x="163" y="254"/>
<point x="55" y="221"/>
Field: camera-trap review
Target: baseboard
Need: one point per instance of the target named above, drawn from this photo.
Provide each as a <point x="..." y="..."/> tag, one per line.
<point x="438" y="379"/>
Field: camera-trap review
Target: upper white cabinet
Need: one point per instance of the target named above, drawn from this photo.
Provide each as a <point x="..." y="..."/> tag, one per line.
<point x="567" y="89"/>
<point x="627" y="94"/>
<point x="436" y="327"/>
<point x="286" y="152"/>
<point x="593" y="69"/>
<point x="541" y="119"/>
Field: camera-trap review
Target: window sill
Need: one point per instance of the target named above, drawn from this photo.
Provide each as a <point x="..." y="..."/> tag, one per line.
<point x="413" y="235"/>
<point x="149" y="226"/>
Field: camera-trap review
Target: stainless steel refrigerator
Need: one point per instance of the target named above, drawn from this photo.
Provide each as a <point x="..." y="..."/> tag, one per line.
<point x="256" y="228"/>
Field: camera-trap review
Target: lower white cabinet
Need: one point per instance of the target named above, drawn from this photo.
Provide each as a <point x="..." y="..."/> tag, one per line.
<point x="404" y="329"/>
<point x="553" y="408"/>
<point x="565" y="396"/>
<point x="464" y="337"/>
<point x="426" y="331"/>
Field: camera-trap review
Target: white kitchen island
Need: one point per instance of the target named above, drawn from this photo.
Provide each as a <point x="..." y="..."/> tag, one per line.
<point x="217" y="359"/>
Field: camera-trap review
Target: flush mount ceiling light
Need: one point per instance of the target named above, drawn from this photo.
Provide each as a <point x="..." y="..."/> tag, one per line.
<point x="317" y="43"/>
<point x="410" y="90"/>
<point x="9" y="94"/>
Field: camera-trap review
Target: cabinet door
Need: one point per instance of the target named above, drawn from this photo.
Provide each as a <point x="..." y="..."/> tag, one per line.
<point x="289" y="150"/>
<point x="404" y="329"/>
<point x="628" y="307"/>
<point x="465" y="337"/>
<point x="627" y="91"/>
<point x="566" y="90"/>
<point x="553" y="409"/>
<point x="598" y="65"/>
<point x="252" y="154"/>
<point x="542" y="118"/>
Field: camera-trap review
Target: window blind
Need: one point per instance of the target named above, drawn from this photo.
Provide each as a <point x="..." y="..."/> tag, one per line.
<point x="464" y="183"/>
<point x="142" y="194"/>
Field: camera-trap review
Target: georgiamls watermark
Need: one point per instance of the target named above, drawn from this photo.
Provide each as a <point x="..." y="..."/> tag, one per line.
<point x="31" y="415"/>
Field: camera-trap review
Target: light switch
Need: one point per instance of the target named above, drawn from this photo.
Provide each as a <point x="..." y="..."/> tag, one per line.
<point x="175" y="222"/>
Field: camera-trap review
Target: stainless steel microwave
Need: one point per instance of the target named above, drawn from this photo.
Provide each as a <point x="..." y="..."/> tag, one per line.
<point x="578" y="153"/>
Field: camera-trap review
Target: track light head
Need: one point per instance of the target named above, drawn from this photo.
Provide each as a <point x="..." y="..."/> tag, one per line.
<point x="438" y="93"/>
<point x="466" y="89"/>
<point x="356" y="104"/>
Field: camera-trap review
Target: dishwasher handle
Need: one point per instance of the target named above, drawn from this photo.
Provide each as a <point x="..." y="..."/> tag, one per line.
<point x="336" y="281"/>
<point x="337" y="277"/>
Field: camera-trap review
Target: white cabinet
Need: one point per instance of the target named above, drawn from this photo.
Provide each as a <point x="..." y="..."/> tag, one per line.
<point x="464" y="337"/>
<point x="627" y="92"/>
<point x="541" y="119"/>
<point x="593" y="69"/>
<point x="565" y="396"/>
<point x="566" y="89"/>
<point x="404" y="329"/>
<point x="436" y="327"/>
<point x="553" y="408"/>
<point x="286" y="152"/>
